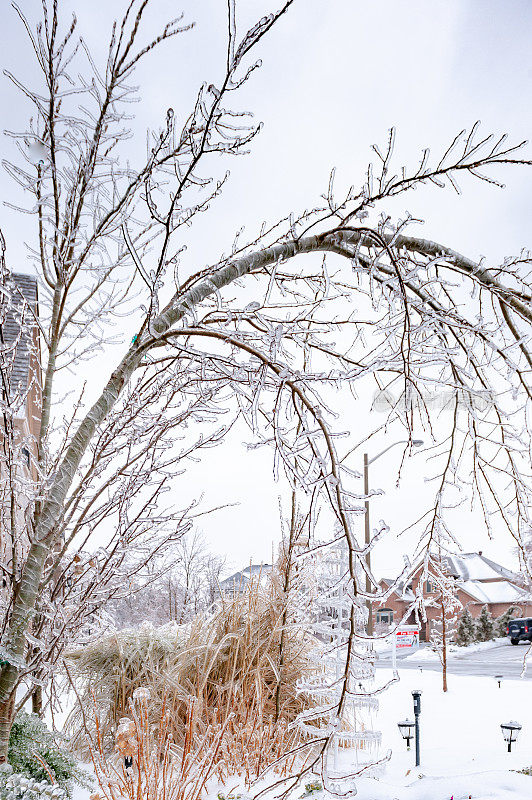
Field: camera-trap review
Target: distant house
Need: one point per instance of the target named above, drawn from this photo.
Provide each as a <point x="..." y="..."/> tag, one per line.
<point x="241" y="580"/>
<point x="478" y="582"/>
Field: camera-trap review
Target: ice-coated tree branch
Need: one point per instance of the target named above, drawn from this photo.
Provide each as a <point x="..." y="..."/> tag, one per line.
<point x="276" y="333"/>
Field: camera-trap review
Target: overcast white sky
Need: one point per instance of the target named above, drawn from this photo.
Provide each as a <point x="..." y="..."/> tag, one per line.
<point x="336" y="75"/>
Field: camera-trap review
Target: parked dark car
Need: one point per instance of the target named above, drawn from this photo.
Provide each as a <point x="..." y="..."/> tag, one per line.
<point x="520" y="630"/>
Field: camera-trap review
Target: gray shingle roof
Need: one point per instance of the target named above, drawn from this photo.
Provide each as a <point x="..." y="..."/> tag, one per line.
<point x="23" y="290"/>
<point x="241" y="579"/>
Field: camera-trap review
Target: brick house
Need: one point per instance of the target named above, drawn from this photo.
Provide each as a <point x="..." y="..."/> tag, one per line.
<point x="21" y="379"/>
<point x="478" y="581"/>
<point x="25" y="377"/>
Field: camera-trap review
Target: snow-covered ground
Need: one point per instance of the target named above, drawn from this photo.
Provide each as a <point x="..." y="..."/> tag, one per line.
<point x="453" y="651"/>
<point x="384" y="646"/>
<point x="463" y="753"/>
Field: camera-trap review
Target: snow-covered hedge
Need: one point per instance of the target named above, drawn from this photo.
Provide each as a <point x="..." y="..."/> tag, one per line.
<point x="14" y="786"/>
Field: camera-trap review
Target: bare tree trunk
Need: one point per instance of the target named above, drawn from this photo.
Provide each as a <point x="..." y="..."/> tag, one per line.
<point x="7" y="713"/>
<point x="23" y="609"/>
<point x="36" y="701"/>
<point x="341" y="242"/>
<point x="52" y="509"/>
<point x="444" y="647"/>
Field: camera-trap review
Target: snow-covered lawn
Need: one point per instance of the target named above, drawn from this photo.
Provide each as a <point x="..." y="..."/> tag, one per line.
<point x="462" y="749"/>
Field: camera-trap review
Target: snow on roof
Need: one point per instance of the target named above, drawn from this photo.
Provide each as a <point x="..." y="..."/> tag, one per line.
<point x="493" y="591"/>
<point x="481" y="578"/>
<point x="399" y="588"/>
<point x="244" y="576"/>
<point x="254" y="569"/>
<point x="506" y="573"/>
<point x="476" y="567"/>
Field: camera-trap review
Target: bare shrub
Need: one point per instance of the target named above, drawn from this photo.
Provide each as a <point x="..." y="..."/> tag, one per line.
<point x="158" y="769"/>
<point x="214" y="674"/>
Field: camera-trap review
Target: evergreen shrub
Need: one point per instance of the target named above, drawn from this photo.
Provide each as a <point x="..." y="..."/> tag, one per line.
<point x="484" y="626"/>
<point x="14" y="786"/>
<point x="465" y="630"/>
<point x="501" y="623"/>
<point x="31" y="744"/>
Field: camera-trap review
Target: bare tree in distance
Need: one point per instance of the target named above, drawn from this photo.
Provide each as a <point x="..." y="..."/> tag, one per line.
<point x="378" y="307"/>
<point x="186" y="586"/>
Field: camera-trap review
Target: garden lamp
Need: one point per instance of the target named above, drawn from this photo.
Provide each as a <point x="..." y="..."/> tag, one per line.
<point x="510" y="732"/>
<point x="407" y="731"/>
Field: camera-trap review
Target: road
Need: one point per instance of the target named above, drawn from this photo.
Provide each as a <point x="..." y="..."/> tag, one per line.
<point x="505" y="660"/>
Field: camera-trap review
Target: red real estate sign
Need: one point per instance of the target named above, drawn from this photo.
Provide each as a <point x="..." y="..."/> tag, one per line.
<point x="407" y="636"/>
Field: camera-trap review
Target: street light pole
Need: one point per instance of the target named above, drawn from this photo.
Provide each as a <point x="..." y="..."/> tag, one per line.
<point x="416" y="694"/>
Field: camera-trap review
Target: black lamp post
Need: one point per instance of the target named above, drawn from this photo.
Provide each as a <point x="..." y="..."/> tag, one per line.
<point x="407" y="731"/>
<point x="510" y="732"/>
<point x="416" y="694"/>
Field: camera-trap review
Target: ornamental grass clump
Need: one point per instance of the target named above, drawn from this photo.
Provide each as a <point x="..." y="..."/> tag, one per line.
<point x="230" y="672"/>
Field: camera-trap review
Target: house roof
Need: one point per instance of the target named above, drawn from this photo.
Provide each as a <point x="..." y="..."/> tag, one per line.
<point x="482" y="579"/>
<point x="255" y="569"/>
<point x="476" y="567"/>
<point x="244" y="576"/>
<point x="22" y="290"/>
<point x="402" y="591"/>
<point x="493" y="591"/>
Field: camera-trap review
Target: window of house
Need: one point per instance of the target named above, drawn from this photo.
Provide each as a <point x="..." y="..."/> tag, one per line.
<point x="429" y="586"/>
<point x="385" y="616"/>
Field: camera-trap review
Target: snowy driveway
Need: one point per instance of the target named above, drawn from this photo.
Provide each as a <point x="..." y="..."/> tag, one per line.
<point x="504" y="660"/>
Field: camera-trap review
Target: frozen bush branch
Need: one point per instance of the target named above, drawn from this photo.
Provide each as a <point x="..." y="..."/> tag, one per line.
<point x="341" y="300"/>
